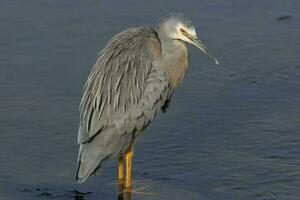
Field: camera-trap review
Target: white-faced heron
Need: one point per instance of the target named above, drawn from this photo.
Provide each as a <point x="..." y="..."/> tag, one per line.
<point x="132" y="81"/>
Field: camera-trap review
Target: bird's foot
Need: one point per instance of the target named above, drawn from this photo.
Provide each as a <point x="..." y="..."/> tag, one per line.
<point x="142" y="186"/>
<point x="140" y="190"/>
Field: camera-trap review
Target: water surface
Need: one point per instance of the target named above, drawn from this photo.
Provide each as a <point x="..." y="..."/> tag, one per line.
<point x="232" y="131"/>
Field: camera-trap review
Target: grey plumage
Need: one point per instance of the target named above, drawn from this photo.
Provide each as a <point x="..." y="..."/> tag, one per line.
<point x="122" y="93"/>
<point x="132" y="80"/>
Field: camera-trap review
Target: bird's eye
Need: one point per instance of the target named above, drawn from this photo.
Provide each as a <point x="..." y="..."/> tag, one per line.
<point x="182" y="30"/>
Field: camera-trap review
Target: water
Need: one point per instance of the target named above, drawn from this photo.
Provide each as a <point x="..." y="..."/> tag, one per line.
<point x="232" y="131"/>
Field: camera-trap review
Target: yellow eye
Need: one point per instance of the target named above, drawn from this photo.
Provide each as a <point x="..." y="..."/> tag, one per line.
<point x="182" y="30"/>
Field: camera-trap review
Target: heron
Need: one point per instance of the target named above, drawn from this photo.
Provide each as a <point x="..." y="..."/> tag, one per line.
<point x="131" y="82"/>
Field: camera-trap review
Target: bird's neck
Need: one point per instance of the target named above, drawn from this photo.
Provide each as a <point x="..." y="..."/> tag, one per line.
<point x="174" y="59"/>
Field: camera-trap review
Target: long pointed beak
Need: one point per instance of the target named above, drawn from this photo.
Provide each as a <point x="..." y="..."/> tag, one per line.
<point x="202" y="47"/>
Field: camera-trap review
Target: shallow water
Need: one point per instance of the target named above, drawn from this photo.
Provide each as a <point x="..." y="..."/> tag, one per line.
<point x="232" y="131"/>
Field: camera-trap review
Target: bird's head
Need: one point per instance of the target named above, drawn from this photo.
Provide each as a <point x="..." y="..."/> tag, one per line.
<point x="179" y="27"/>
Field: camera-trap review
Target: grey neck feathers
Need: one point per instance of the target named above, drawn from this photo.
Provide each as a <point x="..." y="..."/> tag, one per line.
<point x="174" y="59"/>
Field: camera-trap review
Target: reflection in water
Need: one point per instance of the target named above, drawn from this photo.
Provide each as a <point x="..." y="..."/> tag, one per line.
<point x="79" y="197"/>
<point x="53" y="193"/>
<point x="122" y="191"/>
<point x="127" y="194"/>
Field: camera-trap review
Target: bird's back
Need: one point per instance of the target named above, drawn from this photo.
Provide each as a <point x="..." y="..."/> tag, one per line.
<point x="124" y="91"/>
<point x="117" y="80"/>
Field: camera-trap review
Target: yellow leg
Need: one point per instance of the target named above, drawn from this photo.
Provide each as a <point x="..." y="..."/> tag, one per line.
<point x="121" y="177"/>
<point x="129" y="155"/>
<point x="121" y="167"/>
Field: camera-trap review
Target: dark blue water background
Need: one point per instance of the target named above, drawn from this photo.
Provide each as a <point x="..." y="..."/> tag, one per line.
<point x="232" y="131"/>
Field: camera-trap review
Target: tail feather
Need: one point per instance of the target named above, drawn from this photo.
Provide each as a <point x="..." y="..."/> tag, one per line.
<point x="88" y="162"/>
<point x="91" y="155"/>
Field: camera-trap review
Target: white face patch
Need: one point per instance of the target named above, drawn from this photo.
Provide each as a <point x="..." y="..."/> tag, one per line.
<point x="191" y="31"/>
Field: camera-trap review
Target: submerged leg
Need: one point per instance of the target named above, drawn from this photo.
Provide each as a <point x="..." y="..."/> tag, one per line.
<point x="129" y="155"/>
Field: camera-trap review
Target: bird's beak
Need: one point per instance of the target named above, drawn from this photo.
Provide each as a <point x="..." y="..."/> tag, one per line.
<point x="196" y="42"/>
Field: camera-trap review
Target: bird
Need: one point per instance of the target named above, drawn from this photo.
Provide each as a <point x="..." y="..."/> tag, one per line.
<point x="132" y="81"/>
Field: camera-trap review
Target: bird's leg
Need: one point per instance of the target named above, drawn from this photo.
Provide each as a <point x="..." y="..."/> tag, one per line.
<point x="129" y="156"/>
<point x="121" y="177"/>
<point x="121" y="168"/>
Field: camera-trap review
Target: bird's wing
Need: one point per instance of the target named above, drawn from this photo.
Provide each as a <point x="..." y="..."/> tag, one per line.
<point x="126" y="86"/>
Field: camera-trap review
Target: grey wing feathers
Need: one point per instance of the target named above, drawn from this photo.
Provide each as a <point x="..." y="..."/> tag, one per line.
<point x="116" y="81"/>
<point x="125" y="90"/>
